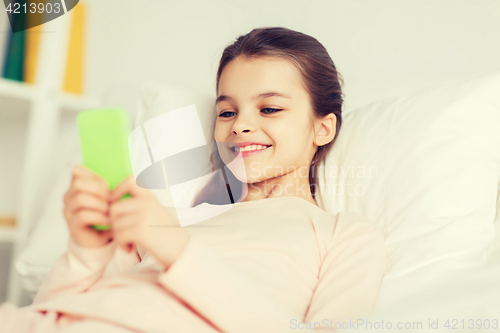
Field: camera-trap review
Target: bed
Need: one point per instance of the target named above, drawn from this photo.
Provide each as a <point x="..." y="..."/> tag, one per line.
<point x="424" y="168"/>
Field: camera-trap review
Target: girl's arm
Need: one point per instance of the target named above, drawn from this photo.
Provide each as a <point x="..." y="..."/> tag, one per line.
<point x="80" y="267"/>
<point x="348" y="285"/>
<point x="224" y="296"/>
<point x="350" y="275"/>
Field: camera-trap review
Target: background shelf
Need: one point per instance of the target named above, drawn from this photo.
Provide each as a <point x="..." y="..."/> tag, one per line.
<point x="8" y="234"/>
<point x="35" y="120"/>
<point x="18" y="90"/>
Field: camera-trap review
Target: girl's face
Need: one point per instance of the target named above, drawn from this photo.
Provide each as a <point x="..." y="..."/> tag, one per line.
<point x="262" y="101"/>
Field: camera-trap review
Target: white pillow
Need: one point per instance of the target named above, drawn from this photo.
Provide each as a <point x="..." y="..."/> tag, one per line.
<point x="425" y="169"/>
<point x="495" y="246"/>
<point x="48" y="239"/>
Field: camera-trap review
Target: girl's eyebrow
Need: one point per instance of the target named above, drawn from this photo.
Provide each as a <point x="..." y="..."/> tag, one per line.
<point x="259" y="96"/>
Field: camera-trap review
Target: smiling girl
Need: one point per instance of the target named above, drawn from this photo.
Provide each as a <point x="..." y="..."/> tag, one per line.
<point x="277" y="90"/>
<point x="263" y="105"/>
<point x="274" y="262"/>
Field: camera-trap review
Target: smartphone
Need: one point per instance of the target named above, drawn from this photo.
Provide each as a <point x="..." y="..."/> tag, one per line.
<point x="104" y="143"/>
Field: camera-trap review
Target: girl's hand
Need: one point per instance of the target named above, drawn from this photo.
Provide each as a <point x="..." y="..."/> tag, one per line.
<point x="143" y="221"/>
<point x="85" y="204"/>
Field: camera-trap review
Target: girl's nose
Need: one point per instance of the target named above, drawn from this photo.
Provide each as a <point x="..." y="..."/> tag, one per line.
<point x="243" y="131"/>
<point x="243" y="124"/>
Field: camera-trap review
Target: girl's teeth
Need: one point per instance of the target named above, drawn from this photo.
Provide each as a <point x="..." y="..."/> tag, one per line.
<point x="251" y="147"/>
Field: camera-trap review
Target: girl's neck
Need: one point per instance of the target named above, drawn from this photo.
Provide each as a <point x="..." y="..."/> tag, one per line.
<point x="290" y="184"/>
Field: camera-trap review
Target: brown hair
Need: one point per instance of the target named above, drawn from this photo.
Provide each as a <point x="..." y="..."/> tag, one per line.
<point x="321" y="81"/>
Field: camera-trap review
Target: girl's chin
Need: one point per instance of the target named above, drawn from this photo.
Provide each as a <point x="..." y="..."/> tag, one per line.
<point x="254" y="181"/>
<point x="246" y="178"/>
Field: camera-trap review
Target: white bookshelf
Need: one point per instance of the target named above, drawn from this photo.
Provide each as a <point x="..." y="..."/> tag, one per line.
<point x="7" y="234"/>
<point x="31" y="120"/>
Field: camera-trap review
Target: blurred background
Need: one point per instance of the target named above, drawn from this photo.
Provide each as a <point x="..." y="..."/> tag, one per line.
<point x="100" y="52"/>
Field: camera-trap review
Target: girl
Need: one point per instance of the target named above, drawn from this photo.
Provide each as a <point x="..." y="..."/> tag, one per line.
<point x="274" y="262"/>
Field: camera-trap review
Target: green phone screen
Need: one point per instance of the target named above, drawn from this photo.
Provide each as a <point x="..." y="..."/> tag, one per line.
<point x="104" y="143"/>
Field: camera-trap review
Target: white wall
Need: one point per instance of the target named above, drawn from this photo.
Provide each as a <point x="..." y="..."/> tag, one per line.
<point x="382" y="48"/>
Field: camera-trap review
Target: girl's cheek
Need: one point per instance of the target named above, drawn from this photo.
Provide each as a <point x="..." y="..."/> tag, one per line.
<point x="216" y="134"/>
<point x="220" y="133"/>
<point x="217" y="129"/>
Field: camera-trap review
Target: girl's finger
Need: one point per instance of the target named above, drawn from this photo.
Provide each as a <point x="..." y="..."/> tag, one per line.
<point x="125" y="238"/>
<point x="88" y="217"/>
<point x="106" y="233"/>
<point x="83" y="171"/>
<point x="82" y="200"/>
<point x="123" y="223"/>
<point x="127" y="186"/>
<point x="124" y="207"/>
<point x="96" y="188"/>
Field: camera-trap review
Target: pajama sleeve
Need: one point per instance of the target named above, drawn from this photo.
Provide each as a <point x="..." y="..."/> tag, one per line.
<point x="350" y="275"/>
<point x="80" y="267"/>
<point x="348" y="284"/>
<point x="221" y="294"/>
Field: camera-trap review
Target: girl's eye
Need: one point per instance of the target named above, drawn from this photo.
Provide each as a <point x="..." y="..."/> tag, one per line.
<point x="225" y="113"/>
<point x="221" y="115"/>
<point x="271" y="109"/>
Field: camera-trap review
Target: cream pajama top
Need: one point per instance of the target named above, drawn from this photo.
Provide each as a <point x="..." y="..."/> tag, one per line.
<point x="274" y="265"/>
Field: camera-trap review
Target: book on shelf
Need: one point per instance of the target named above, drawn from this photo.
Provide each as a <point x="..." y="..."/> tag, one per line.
<point x="13" y="66"/>
<point x="34" y="20"/>
<point x="73" y="77"/>
<point x="19" y="51"/>
<point x="4" y="35"/>
<point x="7" y="220"/>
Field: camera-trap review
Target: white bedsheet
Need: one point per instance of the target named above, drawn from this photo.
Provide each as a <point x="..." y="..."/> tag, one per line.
<point x="467" y="303"/>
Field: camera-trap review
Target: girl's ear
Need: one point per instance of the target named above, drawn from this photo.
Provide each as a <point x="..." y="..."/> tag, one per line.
<point x="325" y="129"/>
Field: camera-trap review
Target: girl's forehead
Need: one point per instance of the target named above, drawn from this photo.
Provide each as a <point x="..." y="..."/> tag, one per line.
<point x="260" y="65"/>
<point x="252" y="76"/>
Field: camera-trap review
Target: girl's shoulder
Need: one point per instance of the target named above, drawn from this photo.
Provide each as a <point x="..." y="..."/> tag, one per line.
<point x="353" y="225"/>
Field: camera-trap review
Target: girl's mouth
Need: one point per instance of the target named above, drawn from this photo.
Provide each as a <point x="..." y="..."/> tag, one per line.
<point x="248" y="150"/>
